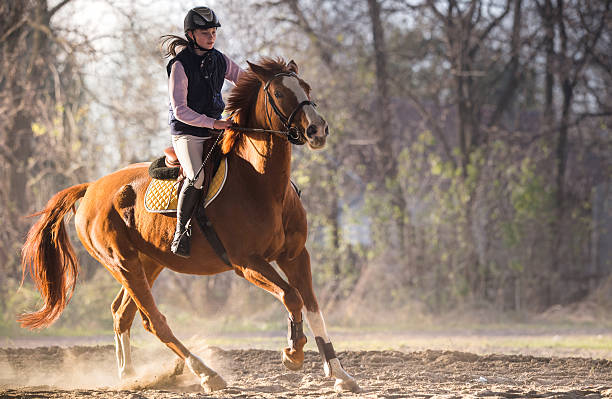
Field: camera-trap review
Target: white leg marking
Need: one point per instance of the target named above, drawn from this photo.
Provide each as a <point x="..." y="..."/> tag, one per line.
<point x="123" y="351"/>
<point x="317" y="326"/>
<point x="197" y="366"/>
<point x="118" y="354"/>
<point x="209" y="379"/>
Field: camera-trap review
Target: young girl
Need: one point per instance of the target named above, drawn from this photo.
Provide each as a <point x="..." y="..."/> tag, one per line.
<point x="196" y="75"/>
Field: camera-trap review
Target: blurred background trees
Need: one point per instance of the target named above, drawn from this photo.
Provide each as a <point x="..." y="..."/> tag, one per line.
<point x="468" y="167"/>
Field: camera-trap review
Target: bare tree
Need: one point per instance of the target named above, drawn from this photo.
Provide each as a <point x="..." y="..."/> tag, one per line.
<point x="573" y="30"/>
<point x="39" y="111"/>
<point x="42" y="116"/>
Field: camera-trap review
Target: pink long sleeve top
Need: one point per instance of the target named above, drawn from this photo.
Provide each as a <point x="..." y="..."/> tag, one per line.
<point x="177" y="88"/>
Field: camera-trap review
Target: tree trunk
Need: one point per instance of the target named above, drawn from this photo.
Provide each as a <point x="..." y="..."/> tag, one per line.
<point x="549" y="48"/>
<point x="383" y="114"/>
<point x="386" y="160"/>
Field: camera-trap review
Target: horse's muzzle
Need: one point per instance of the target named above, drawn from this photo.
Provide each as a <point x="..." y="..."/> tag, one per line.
<point x="316" y="134"/>
<point x="314" y="129"/>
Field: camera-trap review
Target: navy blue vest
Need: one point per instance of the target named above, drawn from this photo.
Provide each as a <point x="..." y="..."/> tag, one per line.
<point x="205" y="75"/>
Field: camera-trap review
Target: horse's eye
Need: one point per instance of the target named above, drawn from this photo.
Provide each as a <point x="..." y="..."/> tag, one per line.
<point x="278" y="94"/>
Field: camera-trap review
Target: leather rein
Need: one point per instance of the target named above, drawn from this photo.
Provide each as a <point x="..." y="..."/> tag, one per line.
<point x="291" y="133"/>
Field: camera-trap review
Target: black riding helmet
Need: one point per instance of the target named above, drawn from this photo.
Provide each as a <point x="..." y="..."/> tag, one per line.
<point x="200" y="18"/>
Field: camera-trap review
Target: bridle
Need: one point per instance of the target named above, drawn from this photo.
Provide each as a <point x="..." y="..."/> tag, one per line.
<point x="291" y="133"/>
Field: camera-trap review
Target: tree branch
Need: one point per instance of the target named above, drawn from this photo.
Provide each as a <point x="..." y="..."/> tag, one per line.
<point x="12" y="29"/>
<point x="58" y="7"/>
<point x="488" y="30"/>
<point x="302" y="22"/>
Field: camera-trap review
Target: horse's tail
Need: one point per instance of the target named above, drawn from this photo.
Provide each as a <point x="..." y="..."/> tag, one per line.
<point x="48" y="256"/>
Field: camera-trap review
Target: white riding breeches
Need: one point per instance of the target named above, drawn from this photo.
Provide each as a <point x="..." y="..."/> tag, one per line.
<point x="189" y="151"/>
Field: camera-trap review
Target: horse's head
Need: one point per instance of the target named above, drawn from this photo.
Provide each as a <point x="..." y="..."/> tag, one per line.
<point x="287" y="104"/>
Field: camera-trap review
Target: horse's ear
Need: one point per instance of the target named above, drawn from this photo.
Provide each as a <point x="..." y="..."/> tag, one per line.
<point x="292" y="66"/>
<point x="259" y="71"/>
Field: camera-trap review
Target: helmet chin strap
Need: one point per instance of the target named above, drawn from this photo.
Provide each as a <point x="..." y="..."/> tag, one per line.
<point x="194" y="43"/>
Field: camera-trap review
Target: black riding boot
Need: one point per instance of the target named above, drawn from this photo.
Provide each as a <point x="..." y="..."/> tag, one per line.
<point x="187" y="200"/>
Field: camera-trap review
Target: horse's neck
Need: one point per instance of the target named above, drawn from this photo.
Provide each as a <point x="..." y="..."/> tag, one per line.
<point x="269" y="154"/>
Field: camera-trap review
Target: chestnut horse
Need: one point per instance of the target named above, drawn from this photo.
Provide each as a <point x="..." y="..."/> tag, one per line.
<point x="258" y="217"/>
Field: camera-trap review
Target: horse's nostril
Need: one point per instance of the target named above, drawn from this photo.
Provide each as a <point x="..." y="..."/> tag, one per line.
<point x="311" y="131"/>
<point x="327" y="130"/>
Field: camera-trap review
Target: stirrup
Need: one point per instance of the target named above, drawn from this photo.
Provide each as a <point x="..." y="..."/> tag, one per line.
<point x="181" y="244"/>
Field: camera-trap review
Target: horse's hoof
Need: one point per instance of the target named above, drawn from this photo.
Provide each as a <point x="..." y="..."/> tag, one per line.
<point x="127" y="373"/>
<point x="213" y="383"/>
<point x="293" y="362"/>
<point x="349" y="385"/>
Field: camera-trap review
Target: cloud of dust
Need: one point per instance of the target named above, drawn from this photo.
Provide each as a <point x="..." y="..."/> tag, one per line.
<point x="160" y="368"/>
<point x="94" y="367"/>
<point x="68" y="368"/>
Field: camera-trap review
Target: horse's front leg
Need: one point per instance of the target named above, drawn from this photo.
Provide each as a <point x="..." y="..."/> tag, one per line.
<point x="299" y="275"/>
<point x="262" y="274"/>
<point x="293" y="356"/>
<point x="331" y="363"/>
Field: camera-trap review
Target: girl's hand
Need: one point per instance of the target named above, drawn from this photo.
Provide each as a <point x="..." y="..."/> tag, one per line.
<point x="222" y="124"/>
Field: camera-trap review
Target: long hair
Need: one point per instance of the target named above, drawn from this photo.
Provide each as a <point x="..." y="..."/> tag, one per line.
<point x="169" y="43"/>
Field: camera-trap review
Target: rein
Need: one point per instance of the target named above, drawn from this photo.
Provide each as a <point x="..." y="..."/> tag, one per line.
<point x="281" y="133"/>
<point x="292" y="133"/>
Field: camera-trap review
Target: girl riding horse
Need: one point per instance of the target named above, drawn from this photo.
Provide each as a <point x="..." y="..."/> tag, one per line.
<point x="258" y="217"/>
<point x="195" y="78"/>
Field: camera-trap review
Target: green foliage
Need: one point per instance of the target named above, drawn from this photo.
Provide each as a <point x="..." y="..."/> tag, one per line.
<point x="465" y="214"/>
<point x="471" y="232"/>
<point x="531" y="200"/>
<point x="529" y="195"/>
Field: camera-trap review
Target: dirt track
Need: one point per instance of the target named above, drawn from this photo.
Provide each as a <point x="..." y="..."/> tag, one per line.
<point x="89" y="371"/>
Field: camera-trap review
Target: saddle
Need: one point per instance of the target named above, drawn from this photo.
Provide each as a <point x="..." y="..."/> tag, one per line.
<point x="167" y="176"/>
<point x="167" y="167"/>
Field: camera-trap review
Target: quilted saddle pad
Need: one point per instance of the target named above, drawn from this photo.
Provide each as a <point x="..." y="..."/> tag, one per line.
<point x="162" y="195"/>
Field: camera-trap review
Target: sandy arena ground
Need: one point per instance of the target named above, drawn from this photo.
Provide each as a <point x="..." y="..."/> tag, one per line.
<point x="89" y="371"/>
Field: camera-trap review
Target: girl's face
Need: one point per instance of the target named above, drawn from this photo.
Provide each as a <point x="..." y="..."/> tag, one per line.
<point x="205" y="37"/>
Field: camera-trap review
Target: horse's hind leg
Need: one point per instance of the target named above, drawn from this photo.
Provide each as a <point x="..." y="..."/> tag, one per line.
<point x="262" y="274"/>
<point x="133" y="278"/>
<point x="124" y="310"/>
<point x="299" y="275"/>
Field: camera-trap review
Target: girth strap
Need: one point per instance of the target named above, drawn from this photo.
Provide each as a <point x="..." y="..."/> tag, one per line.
<point x="211" y="235"/>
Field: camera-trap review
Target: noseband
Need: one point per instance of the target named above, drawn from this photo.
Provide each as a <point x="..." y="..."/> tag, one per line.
<point x="292" y="132"/>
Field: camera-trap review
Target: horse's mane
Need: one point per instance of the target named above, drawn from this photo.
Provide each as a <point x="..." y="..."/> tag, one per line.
<point x="244" y="96"/>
